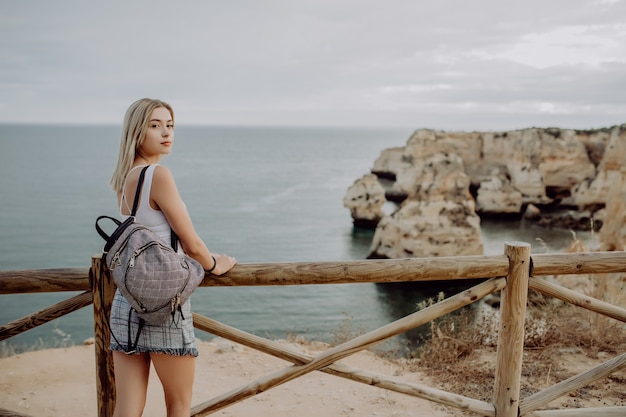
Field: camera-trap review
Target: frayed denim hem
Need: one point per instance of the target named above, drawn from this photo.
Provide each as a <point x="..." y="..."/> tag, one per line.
<point x="174" y="352"/>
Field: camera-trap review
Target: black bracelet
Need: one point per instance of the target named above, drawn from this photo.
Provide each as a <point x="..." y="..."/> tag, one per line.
<point x="214" y="264"/>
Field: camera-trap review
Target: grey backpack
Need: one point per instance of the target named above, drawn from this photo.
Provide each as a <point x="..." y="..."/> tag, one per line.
<point x="154" y="278"/>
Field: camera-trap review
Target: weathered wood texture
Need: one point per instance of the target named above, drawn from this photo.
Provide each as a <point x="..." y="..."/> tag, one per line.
<point x="511" y="334"/>
<point x="295" y="273"/>
<point x="515" y="264"/>
<point x="365" y="377"/>
<point x="381" y="271"/>
<point x="44" y="280"/>
<point x="352" y="346"/>
<point x="581" y="412"/>
<point x="298" y="273"/>
<point x="542" y="398"/>
<point x="44" y="316"/>
<point x="103" y="293"/>
<point x="578" y="299"/>
<point x="10" y="413"/>
<point x="578" y="263"/>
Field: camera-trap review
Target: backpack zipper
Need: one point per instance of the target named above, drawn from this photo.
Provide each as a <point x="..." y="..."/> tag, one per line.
<point x="116" y="258"/>
<point x="175" y="301"/>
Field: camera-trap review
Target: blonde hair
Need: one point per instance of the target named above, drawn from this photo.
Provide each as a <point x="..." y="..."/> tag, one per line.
<point x="134" y="130"/>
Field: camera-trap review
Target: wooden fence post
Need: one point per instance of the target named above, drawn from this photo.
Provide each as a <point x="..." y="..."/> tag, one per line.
<point x="103" y="291"/>
<point x="511" y="333"/>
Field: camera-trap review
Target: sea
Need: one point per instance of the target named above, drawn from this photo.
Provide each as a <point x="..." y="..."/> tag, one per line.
<point x="261" y="194"/>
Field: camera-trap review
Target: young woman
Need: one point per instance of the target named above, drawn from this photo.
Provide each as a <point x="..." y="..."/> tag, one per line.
<point x="147" y="134"/>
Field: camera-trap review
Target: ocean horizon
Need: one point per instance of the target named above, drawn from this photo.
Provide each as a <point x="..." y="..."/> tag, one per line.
<point x="261" y="194"/>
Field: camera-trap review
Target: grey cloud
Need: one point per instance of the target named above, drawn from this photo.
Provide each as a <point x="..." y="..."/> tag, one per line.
<point x="311" y="62"/>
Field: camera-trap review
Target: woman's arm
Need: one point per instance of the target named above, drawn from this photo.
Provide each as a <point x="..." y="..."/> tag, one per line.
<point x="164" y="194"/>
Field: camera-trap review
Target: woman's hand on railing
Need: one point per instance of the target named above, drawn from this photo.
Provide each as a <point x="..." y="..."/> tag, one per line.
<point x="223" y="264"/>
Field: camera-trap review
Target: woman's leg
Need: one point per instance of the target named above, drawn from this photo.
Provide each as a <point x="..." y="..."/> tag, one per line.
<point x="131" y="383"/>
<point x="176" y="374"/>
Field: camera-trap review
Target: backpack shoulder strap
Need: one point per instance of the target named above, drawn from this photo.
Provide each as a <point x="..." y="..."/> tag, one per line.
<point x="173" y="238"/>
<point x="142" y="175"/>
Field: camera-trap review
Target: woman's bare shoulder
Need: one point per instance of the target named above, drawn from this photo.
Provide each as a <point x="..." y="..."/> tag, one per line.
<point x="162" y="174"/>
<point x="163" y="182"/>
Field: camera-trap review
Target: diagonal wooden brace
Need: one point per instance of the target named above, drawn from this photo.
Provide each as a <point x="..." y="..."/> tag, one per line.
<point x="346" y="349"/>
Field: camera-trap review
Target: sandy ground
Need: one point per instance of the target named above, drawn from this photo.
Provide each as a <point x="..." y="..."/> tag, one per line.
<point x="61" y="382"/>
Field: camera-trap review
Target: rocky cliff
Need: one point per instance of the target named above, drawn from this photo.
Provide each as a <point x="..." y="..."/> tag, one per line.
<point x="443" y="180"/>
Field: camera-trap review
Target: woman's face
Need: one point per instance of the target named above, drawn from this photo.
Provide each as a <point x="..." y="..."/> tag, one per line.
<point x="160" y="134"/>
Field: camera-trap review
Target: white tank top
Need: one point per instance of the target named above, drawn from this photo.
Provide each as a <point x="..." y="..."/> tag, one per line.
<point x="153" y="219"/>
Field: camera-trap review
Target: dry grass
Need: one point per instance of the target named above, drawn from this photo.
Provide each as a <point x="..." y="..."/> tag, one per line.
<point x="561" y="340"/>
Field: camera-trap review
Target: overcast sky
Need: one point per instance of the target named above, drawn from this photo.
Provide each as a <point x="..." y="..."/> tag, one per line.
<point x="446" y="64"/>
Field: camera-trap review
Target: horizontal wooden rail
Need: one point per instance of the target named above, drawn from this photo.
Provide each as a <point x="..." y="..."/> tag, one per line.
<point x="44" y="280"/>
<point x="578" y="263"/>
<point x="46" y="315"/>
<point x="344" y="272"/>
<point x="490" y="269"/>
<point x="294" y="273"/>
<point x="379" y="271"/>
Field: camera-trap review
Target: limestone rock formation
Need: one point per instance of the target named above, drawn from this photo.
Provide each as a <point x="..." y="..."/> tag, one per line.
<point x="506" y="172"/>
<point x="388" y="162"/>
<point x="613" y="232"/>
<point x="365" y="199"/>
<point x="542" y="164"/>
<point x="564" y="161"/>
<point x="613" y="170"/>
<point x="532" y="212"/>
<point x="438" y="220"/>
<point x="594" y="190"/>
<point x="496" y="194"/>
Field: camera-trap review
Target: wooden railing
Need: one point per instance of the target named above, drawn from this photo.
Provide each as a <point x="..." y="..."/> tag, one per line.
<point x="512" y="273"/>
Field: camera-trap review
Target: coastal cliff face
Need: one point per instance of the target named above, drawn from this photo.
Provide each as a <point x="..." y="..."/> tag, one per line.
<point x="491" y="173"/>
<point x="611" y="180"/>
<point x="365" y="199"/>
<point x="438" y="220"/>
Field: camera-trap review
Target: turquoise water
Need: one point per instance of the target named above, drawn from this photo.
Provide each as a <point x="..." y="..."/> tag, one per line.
<point x="260" y="194"/>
